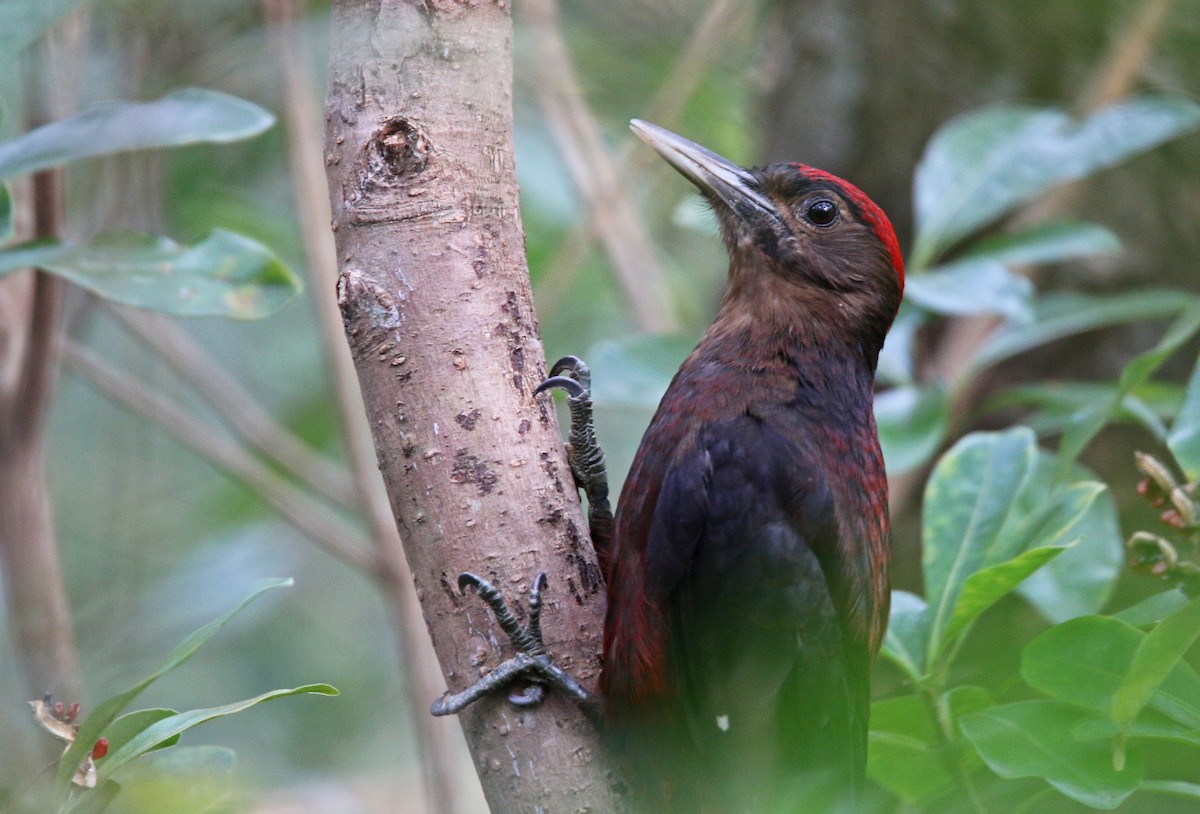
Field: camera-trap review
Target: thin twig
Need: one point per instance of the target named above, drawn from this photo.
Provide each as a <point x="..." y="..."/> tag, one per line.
<point x="722" y="20"/>
<point x="578" y="136"/>
<point x="666" y="107"/>
<point x="335" y="535"/>
<point x="418" y="663"/>
<point x="1129" y="56"/>
<point x="237" y="407"/>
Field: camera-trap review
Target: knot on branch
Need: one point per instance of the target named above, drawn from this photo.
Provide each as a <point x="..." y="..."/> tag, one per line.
<point x="403" y="145"/>
<point x="396" y="151"/>
<point x="392" y="159"/>
<point x="370" y="313"/>
<point x="395" y="177"/>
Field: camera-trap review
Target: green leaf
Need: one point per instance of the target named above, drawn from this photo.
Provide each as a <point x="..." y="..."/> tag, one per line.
<point x="990" y="503"/>
<point x="980" y="166"/>
<point x="1033" y="739"/>
<point x="1156" y="657"/>
<point x="107" y="711"/>
<point x="907" y="753"/>
<point x="1056" y="403"/>
<point x="1184" y="438"/>
<point x="988" y="586"/>
<point x="126" y="727"/>
<point x="157" y="734"/>
<point x="967" y="502"/>
<point x="636" y="371"/>
<point x="24" y="21"/>
<point x="1153" y="609"/>
<point x="966" y="505"/>
<point x="1149" y="725"/>
<point x="1049" y="242"/>
<point x="907" y="634"/>
<point x="1174" y="788"/>
<point x="1091" y="420"/>
<point x="971" y="286"/>
<point x="1083" y="662"/>
<point x="1081" y="580"/>
<point x="1056" y="316"/>
<point x="904" y="749"/>
<point x="966" y="699"/>
<point x="6" y="214"/>
<point x="225" y="274"/>
<point x="187" y="116"/>
<point x="1141" y="413"/>
<point x="897" y="360"/>
<point x="912" y="423"/>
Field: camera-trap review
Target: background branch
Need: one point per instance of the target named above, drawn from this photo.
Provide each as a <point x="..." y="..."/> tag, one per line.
<point x="297" y="507"/>
<point x="597" y="177"/>
<point x="666" y="107"/>
<point x="237" y="407"/>
<point x="38" y="607"/>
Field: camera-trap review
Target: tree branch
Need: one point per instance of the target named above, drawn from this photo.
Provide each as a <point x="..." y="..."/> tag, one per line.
<point x="237" y="407"/>
<point x="435" y="297"/>
<point x="665" y="109"/>
<point x="296" y="505"/>
<point x="418" y="664"/>
<point x="38" y="607"/>
<point x="610" y="210"/>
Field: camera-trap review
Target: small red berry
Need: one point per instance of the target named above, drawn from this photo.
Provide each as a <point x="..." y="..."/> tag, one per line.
<point x="100" y="749"/>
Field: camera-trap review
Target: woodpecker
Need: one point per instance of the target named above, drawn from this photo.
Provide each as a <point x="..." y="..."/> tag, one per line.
<point x="747" y="563"/>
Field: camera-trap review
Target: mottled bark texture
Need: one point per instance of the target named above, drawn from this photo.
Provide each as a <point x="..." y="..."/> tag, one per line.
<point x="435" y="295"/>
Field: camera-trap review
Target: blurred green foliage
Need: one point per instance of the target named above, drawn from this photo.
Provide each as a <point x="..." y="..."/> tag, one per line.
<point x="998" y="513"/>
<point x="130" y="736"/>
<point x="225" y="274"/>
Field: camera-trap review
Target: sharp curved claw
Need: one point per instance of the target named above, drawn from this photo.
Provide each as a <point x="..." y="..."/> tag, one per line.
<point x="572" y="388"/>
<point x="468" y="580"/>
<point x="439" y="707"/>
<point x="571" y="363"/>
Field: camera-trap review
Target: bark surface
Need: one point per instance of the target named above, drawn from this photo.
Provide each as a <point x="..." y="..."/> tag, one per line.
<point x="435" y="295"/>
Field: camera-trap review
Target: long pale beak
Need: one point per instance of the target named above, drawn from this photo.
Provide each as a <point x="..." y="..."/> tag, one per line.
<point x="729" y="183"/>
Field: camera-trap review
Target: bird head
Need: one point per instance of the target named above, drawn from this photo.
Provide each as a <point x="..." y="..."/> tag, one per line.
<point x="797" y="233"/>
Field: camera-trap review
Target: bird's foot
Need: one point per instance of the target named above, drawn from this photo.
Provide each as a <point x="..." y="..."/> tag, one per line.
<point x="571" y="375"/>
<point x="531" y="663"/>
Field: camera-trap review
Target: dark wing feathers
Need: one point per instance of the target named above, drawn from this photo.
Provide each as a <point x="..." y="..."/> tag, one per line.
<point x="755" y="649"/>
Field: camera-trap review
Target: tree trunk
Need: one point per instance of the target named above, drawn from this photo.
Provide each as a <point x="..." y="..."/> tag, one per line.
<point x="435" y="296"/>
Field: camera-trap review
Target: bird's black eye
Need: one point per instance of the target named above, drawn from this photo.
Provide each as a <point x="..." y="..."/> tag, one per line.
<point x="821" y="212"/>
